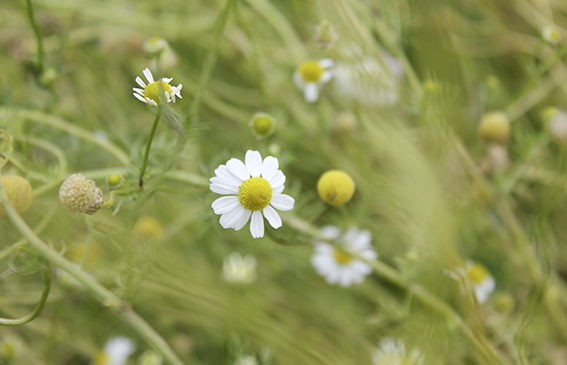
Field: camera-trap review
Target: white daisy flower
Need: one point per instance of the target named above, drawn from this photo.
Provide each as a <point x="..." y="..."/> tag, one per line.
<point x="254" y="189"/>
<point x="474" y="278"/>
<point x="310" y="75"/>
<point x="239" y="269"/>
<point x="116" y="351"/>
<point x="393" y="352"/>
<point x="336" y="262"/>
<point x="151" y="93"/>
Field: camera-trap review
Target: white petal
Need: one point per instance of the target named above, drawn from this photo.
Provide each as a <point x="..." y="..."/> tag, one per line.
<point x="282" y="202"/>
<point x="141" y="98"/>
<point x="253" y="161"/>
<point x="257" y="225"/>
<point x="148" y="75"/>
<point x="325" y="77"/>
<point x="225" y="204"/>
<point x="229" y="219"/>
<point x="269" y="167"/>
<point x="223" y="189"/>
<point x="326" y="63"/>
<point x="238" y="169"/>
<point x="311" y="92"/>
<point x="330" y="232"/>
<point x="298" y="80"/>
<point x="278" y="189"/>
<point x="140" y="82"/>
<point x="222" y="171"/>
<point x="138" y="90"/>
<point x="166" y="80"/>
<point x="243" y="220"/>
<point x="277" y="180"/>
<point x="272" y="216"/>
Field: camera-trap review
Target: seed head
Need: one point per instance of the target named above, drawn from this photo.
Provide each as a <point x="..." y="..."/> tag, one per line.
<point x="80" y="194"/>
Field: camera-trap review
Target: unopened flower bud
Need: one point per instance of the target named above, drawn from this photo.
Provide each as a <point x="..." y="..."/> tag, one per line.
<point x="114" y="181"/>
<point x="262" y="125"/>
<point x="495" y="128"/>
<point x="326" y="34"/>
<point x="346" y="122"/>
<point x="148" y="227"/>
<point x="80" y="194"/>
<point x="19" y="193"/>
<point x="154" y="46"/>
<point x="335" y="187"/>
<point x="48" y="77"/>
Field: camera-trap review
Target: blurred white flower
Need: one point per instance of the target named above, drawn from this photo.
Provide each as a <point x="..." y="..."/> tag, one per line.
<point x="151" y="93"/>
<point x="310" y="75"/>
<point x="393" y="352"/>
<point x="253" y="188"/>
<point x="116" y="351"/>
<point x="336" y="262"/>
<point x="557" y="123"/>
<point x="552" y="35"/>
<point x="150" y="357"/>
<point x="239" y="269"/>
<point x="369" y="80"/>
<point x="475" y="279"/>
<point x="246" y="360"/>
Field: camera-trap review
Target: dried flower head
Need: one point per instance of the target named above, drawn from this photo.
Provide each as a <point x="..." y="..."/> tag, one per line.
<point x="80" y="194"/>
<point x="19" y="193"/>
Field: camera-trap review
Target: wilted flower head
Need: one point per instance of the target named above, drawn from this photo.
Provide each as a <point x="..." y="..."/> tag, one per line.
<point x="19" y="193"/>
<point x="310" y="75"/>
<point x="116" y="351"/>
<point x="253" y="190"/>
<point x="393" y="352"/>
<point x="80" y="195"/>
<point x="474" y="279"/>
<point x="336" y="262"/>
<point x="239" y="269"/>
<point x="156" y="91"/>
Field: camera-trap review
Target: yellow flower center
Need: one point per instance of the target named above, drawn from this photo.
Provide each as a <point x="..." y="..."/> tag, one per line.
<point x="342" y="257"/>
<point x="335" y="187"/>
<point x="156" y="90"/>
<point x="311" y="71"/>
<point x="255" y="193"/>
<point x="477" y="273"/>
<point x="101" y="359"/>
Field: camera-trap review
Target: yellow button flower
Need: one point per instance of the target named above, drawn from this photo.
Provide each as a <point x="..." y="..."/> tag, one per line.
<point x="335" y="187"/>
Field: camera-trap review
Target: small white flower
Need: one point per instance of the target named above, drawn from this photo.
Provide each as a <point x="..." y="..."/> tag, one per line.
<point x="336" y="262"/>
<point x="310" y="75"/>
<point x="474" y="278"/>
<point x="254" y="189"/>
<point x="393" y="352"/>
<point x="152" y="93"/>
<point x="116" y="351"/>
<point x="552" y="35"/>
<point x="239" y="269"/>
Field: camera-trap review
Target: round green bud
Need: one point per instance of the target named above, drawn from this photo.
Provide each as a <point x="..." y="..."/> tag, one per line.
<point x="495" y="128"/>
<point x="19" y="193"/>
<point x="335" y="187"/>
<point x="262" y="125"/>
<point x="114" y="181"/>
<point x="48" y="77"/>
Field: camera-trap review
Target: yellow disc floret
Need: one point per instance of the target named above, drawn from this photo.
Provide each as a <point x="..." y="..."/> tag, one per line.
<point x="255" y="193"/>
<point x="342" y="257"/>
<point x="477" y="273"/>
<point x="335" y="187"/>
<point x="262" y="124"/>
<point x="19" y="193"/>
<point x="311" y="71"/>
<point x="156" y="90"/>
<point x="495" y="128"/>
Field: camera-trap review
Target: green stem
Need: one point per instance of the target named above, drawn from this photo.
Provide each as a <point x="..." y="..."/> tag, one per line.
<point x="38" y="308"/>
<point x="105" y="296"/>
<point x="419" y="292"/>
<point x="40" y="50"/>
<point x="148" y="146"/>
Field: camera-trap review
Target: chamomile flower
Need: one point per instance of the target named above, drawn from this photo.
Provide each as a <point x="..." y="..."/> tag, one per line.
<point x="151" y="93"/>
<point x="393" y="352"/>
<point x="310" y="75"/>
<point x="475" y="279"/>
<point x="336" y="262"/>
<point x="116" y="351"/>
<point x="253" y="188"/>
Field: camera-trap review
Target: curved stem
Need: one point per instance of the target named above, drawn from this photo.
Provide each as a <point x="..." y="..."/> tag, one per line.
<point x="40" y="51"/>
<point x="38" y="308"/>
<point x="101" y="293"/>
<point x="148" y="146"/>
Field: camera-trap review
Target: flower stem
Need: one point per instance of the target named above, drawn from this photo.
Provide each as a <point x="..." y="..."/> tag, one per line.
<point x="148" y="146"/>
<point x="40" y="50"/>
<point x="105" y="296"/>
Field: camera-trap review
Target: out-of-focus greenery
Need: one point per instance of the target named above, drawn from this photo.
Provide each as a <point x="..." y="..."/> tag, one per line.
<point x="431" y="192"/>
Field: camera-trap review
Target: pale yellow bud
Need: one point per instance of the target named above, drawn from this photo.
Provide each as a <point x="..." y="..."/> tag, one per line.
<point x="335" y="187"/>
<point x="19" y="193"/>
